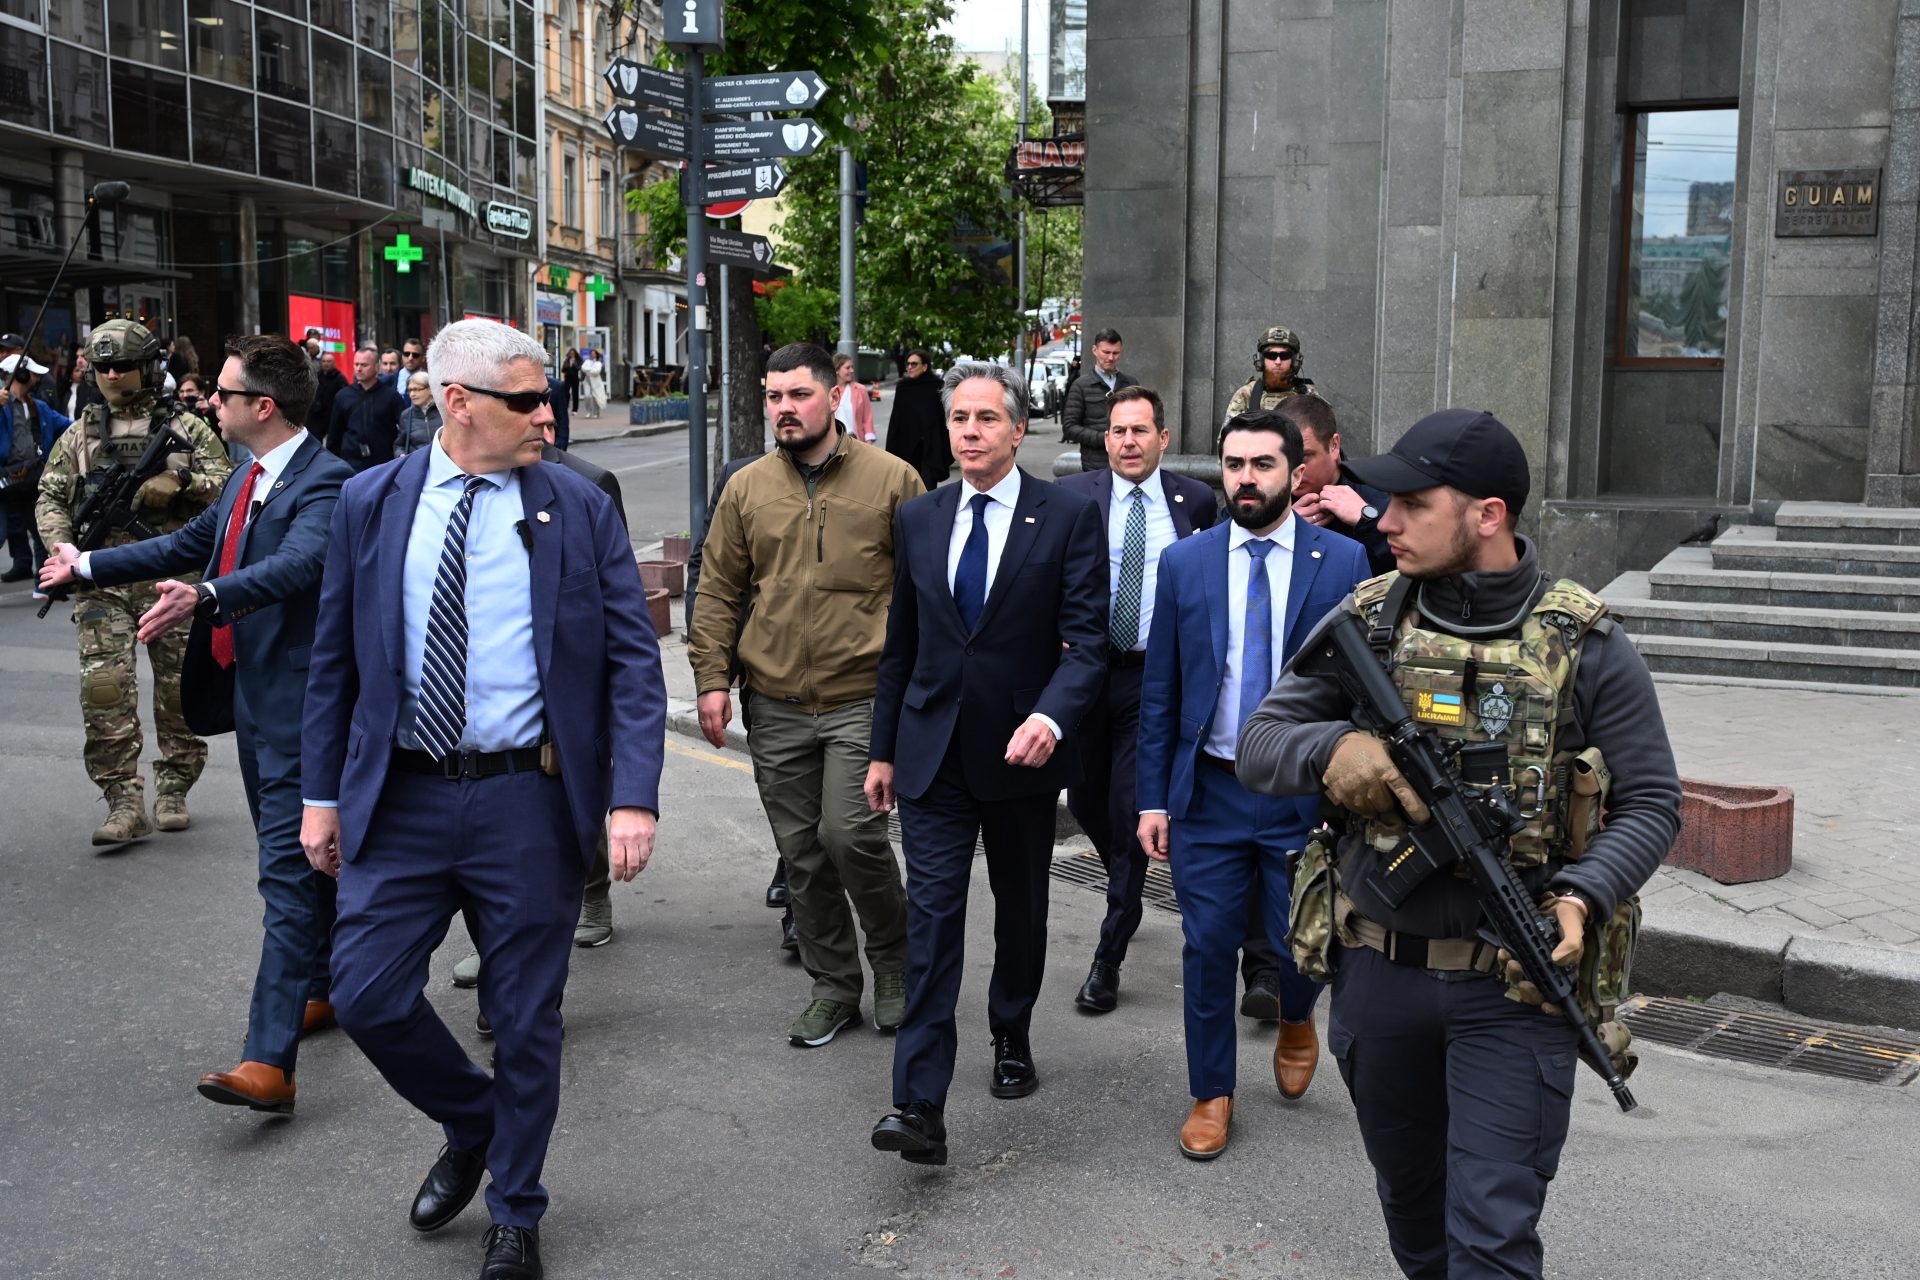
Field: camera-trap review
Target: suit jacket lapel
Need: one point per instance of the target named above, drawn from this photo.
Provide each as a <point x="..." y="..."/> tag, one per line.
<point x="398" y="505"/>
<point x="1021" y="533"/>
<point x="537" y="500"/>
<point x="1308" y="556"/>
<point x="266" y="491"/>
<point x="1103" y="490"/>
<point x="939" y="518"/>
<point x="1216" y="576"/>
<point x="1176" y="504"/>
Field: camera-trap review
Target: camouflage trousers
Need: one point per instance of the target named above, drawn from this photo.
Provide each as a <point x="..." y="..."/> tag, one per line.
<point x="107" y="620"/>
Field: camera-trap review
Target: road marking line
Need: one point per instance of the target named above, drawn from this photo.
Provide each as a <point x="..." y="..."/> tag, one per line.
<point x="709" y="757"/>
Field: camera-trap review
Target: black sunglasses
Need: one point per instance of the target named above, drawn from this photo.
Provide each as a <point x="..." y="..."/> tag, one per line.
<point x="119" y="366"/>
<point x="520" y="402"/>
<point x="1276" y="355"/>
<point x="238" y="393"/>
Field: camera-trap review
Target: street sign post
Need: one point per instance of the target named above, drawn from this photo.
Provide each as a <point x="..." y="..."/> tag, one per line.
<point x="648" y="131"/>
<point x="741" y="249"/>
<point x="760" y="139"/>
<point x="761" y="181"/>
<point x="769" y="91"/>
<point x="654" y="86"/>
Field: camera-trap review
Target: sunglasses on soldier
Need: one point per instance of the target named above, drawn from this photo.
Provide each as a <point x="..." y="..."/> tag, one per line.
<point x="1278" y="353"/>
<point x="118" y="366"/>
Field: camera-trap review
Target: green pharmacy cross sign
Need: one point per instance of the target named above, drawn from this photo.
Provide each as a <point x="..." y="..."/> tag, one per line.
<point x="599" y="287"/>
<point x="403" y="253"/>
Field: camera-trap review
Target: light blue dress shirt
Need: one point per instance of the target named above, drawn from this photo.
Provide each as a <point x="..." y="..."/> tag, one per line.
<point x="504" y="706"/>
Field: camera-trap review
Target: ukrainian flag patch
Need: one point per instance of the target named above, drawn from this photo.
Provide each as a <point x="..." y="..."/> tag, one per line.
<point x="1439" y="708"/>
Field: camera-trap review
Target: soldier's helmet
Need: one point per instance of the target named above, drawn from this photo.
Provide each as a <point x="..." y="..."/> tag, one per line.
<point x="121" y="340"/>
<point x="1279" y="336"/>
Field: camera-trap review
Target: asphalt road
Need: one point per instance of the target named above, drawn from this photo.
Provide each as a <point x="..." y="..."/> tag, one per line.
<point x="694" y="1142"/>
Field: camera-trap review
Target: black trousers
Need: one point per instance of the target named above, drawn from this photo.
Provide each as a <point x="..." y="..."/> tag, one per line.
<point x="1463" y="1098"/>
<point x="1104" y="806"/>
<point x="938" y="831"/>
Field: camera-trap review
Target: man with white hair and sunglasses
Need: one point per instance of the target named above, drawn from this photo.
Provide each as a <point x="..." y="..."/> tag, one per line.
<point x="485" y="697"/>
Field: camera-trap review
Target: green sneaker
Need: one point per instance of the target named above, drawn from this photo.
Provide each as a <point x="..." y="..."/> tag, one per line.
<point x="823" y="1020"/>
<point x="889" y="1000"/>
<point x="596" y="921"/>
<point x="467" y="972"/>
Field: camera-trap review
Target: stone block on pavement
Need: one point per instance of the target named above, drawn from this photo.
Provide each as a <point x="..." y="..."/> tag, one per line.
<point x="1852" y="982"/>
<point x="1736" y="834"/>
<point x="1690" y="953"/>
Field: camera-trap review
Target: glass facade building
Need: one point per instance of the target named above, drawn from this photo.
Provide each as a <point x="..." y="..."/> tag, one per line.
<point x="278" y="151"/>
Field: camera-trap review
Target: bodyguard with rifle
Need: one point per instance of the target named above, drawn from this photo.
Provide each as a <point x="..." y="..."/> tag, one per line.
<point x="1469" y="720"/>
<point x="135" y="466"/>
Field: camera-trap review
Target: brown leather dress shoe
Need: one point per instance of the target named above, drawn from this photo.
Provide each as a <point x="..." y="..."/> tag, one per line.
<point x="251" y="1084"/>
<point x="1204" y="1135"/>
<point x="318" y="1017"/>
<point x="1295" y="1054"/>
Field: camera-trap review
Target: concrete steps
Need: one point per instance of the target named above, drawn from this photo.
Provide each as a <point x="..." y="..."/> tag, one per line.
<point x="1828" y="596"/>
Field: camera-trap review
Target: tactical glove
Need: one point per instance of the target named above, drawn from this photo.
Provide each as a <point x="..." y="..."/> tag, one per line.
<point x="1361" y="778"/>
<point x="159" y="492"/>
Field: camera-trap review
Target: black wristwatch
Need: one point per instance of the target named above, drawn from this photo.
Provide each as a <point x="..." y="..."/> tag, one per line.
<point x="206" y="605"/>
<point x="1370" y="513"/>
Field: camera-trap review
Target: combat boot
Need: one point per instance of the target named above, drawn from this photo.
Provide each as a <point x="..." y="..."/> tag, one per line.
<point x="170" y="812"/>
<point x="126" y="820"/>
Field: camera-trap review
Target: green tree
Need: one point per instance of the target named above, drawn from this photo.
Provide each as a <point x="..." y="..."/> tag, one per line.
<point x="1703" y="300"/>
<point x="794" y="312"/>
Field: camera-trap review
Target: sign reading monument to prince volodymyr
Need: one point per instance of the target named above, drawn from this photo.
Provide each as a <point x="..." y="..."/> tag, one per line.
<point x="1827" y="202"/>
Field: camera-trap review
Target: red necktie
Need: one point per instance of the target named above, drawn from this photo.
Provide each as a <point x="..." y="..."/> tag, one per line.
<point x="229" y="552"/>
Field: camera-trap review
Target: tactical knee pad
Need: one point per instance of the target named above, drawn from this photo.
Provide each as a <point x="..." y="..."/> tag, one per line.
<point x="100" y="690"/>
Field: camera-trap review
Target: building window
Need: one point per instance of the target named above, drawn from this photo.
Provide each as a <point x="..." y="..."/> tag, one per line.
<point x="376" y="90"/>
<point x="80" y="95"/>
<point x="148" y="31"/>
<point x="1677" y="252"/>
<point x="606" y="203"/>
<point x="332" y="75"/>
<point x="570" y="191"/>
<point x="221" y="35"/>
<point x="376" y="167"/>
<point x="222" y="128"/>
<point x="83" y="23"/>
<point x="282" y="57"/>
<point x="286" y="143"/>
<point x="149" y="112"/>
<point x="23" y="77"/>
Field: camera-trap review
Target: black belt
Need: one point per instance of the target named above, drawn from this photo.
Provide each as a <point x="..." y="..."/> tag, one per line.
<point x="467" y="764"/>
<point x="1219" y="762"/>
<point x="1126" y="658"/>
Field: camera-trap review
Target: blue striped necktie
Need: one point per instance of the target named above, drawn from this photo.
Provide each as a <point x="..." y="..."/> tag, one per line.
<point x="440" y="715"/>
<point x="1256" y="647"/>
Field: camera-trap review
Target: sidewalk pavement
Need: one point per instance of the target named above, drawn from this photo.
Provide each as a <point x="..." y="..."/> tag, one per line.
<point x="1838" y="936"/>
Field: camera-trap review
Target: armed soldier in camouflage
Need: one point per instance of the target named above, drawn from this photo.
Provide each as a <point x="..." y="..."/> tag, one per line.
<point x="1462" y="1083"/>
<point x="1276" y="371"/>
<point x="125" y="361"/>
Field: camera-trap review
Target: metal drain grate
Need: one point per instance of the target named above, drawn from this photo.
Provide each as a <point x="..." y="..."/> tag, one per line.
<point x="1770" y="1041"/>
<point x="1087" y="871"/>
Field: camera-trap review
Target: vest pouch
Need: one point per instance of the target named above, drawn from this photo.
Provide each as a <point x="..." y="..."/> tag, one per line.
<point x="1606" y="979"/>
<point x="1310" y="912"/>
<point x="1588" y="782"/>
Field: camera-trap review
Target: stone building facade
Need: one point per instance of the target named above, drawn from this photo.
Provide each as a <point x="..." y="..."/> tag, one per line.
<point x="1612" y="222"/>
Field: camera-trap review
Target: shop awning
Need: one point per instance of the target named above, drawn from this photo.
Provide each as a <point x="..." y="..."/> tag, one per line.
<point x="27" y="269"/>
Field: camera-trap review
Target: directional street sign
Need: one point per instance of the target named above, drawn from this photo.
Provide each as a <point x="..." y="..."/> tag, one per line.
<point x="761" y="139"/>
<point x="760" y="181"/>
<point x="637" y="82"/>
<point x="771" y="91"/>
<point x="648" y="131"/>
<point x="738" y="249"/>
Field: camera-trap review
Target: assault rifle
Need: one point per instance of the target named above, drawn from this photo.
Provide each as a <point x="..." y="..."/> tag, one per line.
<point x="109" y="508"/>
<point x="1469" y="825"/>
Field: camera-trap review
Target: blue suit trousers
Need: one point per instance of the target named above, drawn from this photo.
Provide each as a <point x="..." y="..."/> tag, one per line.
<point x="294" y="948"/>
<point x="507" y="845"/>
<point x="1230" y="841"/>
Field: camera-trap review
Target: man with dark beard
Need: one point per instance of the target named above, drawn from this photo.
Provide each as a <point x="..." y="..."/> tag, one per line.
<point x="1462" y="1084"/>
<point x="1230" y="606"/>
<point x="806" y="535"/>
<point x="917" y="428"/>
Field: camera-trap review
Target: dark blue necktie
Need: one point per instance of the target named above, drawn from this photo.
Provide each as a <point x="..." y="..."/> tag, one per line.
<point x="970" y="578"/>
<point x="1256" y="648"/>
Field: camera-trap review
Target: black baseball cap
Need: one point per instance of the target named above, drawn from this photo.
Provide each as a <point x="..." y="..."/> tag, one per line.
<point x="12" y="341"/>
<point x="1468" y="449"/>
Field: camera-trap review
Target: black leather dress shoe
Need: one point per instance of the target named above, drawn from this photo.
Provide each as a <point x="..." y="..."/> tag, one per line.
<point x="513" y="1253"/>
<point x="1101" y="991"/>
<point x="1262" y="1000"/>
<point x="918" y="1131"/>
<point x="790" y="936"/>
<point x="448" y="1187"/>
<point x="779" y="897"/>
<point x="20" y="572"/>
<point x="1013" y="1073"/>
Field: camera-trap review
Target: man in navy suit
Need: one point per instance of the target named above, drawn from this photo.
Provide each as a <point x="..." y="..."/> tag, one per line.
<point x="996" y="650"/>
<point x="485" y="697"/>
<point x="1155" y="509"/>
<point x="261" y="547"/>
<point x="1230" y="607"/>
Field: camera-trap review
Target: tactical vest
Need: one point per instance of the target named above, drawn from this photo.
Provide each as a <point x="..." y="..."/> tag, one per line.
<point x="106" y="449"/>
<point x="1517" y="689"/>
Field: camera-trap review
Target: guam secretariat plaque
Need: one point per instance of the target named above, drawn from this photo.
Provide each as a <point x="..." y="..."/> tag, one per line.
<point x="1827" y="202"/>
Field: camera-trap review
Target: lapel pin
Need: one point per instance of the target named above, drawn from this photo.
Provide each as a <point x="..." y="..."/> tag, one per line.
<point x="1029" y="519"/>
<point x="1316" y="555"/>
<point x="1179" y="497"/>
<point x="279" y="484"/>
<point x="543" y="517"/>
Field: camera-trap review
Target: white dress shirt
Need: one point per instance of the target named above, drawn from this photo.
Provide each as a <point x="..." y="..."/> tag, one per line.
<point x="1160" y="535"/>
<point x="999" y="520"/>
<point x="1279" y="566"/>
<point x="272" y="463"/>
